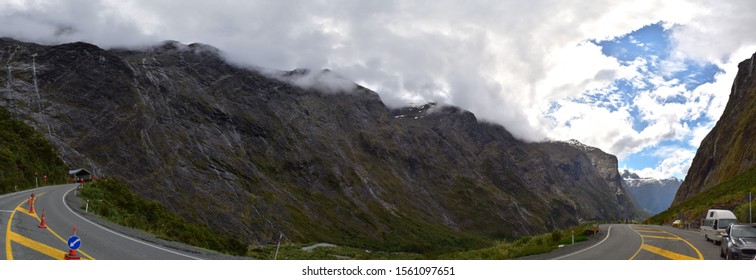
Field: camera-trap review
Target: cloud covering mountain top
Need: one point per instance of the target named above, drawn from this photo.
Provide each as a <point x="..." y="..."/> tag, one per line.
<point x="543" y="69"/>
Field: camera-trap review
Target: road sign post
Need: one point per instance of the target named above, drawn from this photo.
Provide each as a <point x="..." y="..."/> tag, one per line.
<point x="74" y="243"/>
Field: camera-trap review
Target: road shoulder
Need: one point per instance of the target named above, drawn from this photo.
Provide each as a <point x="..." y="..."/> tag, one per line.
<point x="573" y="248"/>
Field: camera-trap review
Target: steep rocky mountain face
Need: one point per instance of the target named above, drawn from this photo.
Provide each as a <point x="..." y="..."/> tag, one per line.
<point x="255" y="156"/>
<point x="651" y="195"/>
<point x="728" y="149"/>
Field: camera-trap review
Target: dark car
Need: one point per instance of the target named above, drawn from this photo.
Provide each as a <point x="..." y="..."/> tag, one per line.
<point x="739" y="242"/>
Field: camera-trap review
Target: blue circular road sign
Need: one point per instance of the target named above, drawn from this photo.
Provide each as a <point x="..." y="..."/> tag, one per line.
<point x="74" y="242"/>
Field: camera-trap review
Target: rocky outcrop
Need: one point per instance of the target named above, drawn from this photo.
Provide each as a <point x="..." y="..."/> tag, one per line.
<point x="257" y="154"/>
<point x="729" y="147"/>
<point x="651" y="195"/>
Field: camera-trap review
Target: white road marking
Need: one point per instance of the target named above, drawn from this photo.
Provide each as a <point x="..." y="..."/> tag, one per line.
<point x="121" y="235"/>
<point x="608" y="232"/>
<point x="7" y="211"/>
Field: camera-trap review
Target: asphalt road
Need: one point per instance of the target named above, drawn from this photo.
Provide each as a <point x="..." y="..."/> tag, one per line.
<point x="639" y="242"/>
<point x="24" y="239"/>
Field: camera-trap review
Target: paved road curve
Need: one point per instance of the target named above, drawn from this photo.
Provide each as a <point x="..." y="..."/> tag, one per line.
<point x="646" y="242"/>
<point x="22" y="238"/>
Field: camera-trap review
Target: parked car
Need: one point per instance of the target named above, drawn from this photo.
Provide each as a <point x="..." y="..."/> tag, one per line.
<point x="678" y="223"/>
<point x="739" y="242"/>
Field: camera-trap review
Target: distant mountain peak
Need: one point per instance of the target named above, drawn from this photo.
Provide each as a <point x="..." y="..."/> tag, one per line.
<point x="652" y="195"/>
<point x="626" y="174"/>
<point x="629" y="175"/>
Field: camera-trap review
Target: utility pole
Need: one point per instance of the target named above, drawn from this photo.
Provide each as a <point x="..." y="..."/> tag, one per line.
<point x="36" y="184"/>
<point x="750" y="202"/>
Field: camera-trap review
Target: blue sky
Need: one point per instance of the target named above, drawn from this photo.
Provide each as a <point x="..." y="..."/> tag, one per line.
<point x="652" y="45"/>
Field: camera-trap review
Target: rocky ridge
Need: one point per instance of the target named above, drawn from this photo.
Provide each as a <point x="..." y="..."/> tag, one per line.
<point x="253" y="154"/>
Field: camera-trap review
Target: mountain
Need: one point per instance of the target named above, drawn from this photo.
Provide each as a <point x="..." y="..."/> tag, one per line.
<point x="652" y="195"/>
<point x="728" y="149"/>
<point x="304" y="153"/>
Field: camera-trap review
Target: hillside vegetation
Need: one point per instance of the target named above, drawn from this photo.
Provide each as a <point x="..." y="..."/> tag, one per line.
<point x="114" y="201"/>
<point x="24" y="153"/>
<point x="731" y="195"/>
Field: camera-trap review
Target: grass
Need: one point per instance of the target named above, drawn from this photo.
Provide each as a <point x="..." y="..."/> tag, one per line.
<point x="731" y="194"/>
<point x="115" y="202"/>
<point x="525" y="246"/>
<point x="292" y="251"/>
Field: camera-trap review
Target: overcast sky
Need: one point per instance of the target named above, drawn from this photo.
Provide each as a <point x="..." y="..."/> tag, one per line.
<point x="644" y="80"/>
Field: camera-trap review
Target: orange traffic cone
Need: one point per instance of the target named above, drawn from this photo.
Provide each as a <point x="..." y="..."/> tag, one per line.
<point x="42" y="223"/>
<point x="31" y="208"/>
<point x="71" y="255"/>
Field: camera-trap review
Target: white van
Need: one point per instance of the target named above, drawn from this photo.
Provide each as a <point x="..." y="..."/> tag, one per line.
<point x="714" y="224"/>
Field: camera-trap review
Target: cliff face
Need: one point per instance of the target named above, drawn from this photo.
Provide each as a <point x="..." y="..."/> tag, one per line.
<point x="729" y="148"/>
<point x="253" y="154"/>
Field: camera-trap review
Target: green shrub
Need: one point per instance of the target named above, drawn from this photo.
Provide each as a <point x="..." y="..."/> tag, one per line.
<point x="115" y="202"/>
<point x="556" y="235"/>
<point x="24" y="154"/>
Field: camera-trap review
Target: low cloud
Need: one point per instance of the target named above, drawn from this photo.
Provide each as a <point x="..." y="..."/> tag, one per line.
<point x="676" y="161"/>
<point x="525" y="65"/>
<point x="324" y="81"/>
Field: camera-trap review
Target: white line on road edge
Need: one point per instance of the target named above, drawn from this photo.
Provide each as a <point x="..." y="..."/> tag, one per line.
<point x="6" y="211"/>
<point x="608" y="232"/>
<point x="121" y="235"/>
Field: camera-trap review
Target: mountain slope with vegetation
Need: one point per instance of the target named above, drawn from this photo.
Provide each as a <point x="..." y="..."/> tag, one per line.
<point x="24" y="155"/>
<point x="256" y="154"/>
<point x="731" y="195"/>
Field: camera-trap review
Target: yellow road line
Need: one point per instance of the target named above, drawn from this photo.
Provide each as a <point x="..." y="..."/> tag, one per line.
<point x="643" y="241"/>
<point x="663" y="237"/>
<point x="55" y="233"/>
<point x="8" y="232"/>
<point x="8" y="251"/>
<point x="665" y="253"/>
<point x="649" y="230"/>
<point x="700" y="256"/>
<point x="36" y="246"/>
<point x="662" y="252"/>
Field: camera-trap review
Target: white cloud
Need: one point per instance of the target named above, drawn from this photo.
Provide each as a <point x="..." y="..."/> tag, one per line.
<point x="506" y="61"/>
<point x="676" y="161"/>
